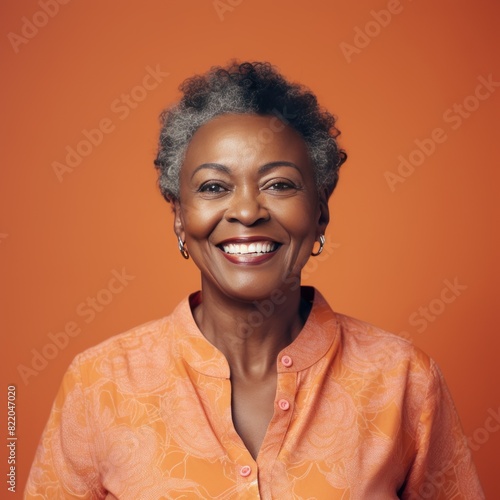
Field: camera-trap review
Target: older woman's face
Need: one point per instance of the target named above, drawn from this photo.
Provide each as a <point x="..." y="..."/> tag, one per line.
<point x="249" y="209"/>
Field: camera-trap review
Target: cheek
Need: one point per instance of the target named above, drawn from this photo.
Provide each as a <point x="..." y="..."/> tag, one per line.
<point x="299" y="219"/>
<point x="199" y="222"/>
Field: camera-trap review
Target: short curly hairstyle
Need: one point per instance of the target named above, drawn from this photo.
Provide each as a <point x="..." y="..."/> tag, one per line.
<point x="251" y="88"/>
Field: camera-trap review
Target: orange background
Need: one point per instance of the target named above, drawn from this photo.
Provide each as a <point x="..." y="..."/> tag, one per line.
<point x="60" y="241"/>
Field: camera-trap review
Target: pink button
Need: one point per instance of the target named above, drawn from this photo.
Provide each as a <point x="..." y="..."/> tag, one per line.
<point x="287" y="361"/>
<point x="283" y="404"/>
<point x="245" y="471"/>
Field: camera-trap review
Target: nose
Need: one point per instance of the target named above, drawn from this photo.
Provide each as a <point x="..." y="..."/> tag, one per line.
<point x="246" y="207"/>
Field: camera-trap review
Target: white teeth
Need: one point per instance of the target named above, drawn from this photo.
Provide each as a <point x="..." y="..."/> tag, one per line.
<point x="243" y="249"/>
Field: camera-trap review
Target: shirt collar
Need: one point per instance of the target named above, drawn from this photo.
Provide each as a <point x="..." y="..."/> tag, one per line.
<point x="311" y="344"/>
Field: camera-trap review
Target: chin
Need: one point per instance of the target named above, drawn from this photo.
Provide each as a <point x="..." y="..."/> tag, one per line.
<point x="250" y="293"/>
<point x="258" y="290"/>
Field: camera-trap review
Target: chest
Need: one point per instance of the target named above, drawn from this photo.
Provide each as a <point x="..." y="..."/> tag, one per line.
<point x="252" y="407"/>
<point x="314" y="454"/>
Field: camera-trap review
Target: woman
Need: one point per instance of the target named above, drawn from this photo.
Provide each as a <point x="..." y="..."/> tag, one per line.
<point x="253" y="387"/>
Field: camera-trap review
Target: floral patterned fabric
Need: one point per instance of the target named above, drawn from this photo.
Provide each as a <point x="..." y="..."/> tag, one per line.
<point x="359" y="414"/>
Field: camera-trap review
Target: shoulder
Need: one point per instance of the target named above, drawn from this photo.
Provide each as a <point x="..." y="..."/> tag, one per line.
<point x="357" y="330"/>
<point x="369" y="347"/>
<point x="139" y="338"/>
<point x="145" y="337"/>
<point x="134" y="361"/>
<point x="389" y="368"/>
<point x="363" y="349"/>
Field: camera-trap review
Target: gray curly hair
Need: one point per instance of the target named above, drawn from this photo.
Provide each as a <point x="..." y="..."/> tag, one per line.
<point x="252" y="88"/>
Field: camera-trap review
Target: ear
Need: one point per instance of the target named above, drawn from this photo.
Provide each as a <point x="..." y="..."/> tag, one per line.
<point x="324" y="212"/>
<point x="178" y="220"/>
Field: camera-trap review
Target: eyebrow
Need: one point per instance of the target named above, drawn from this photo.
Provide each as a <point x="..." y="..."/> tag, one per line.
<point x="213" y="166"/>
<point x="265" y="168"/>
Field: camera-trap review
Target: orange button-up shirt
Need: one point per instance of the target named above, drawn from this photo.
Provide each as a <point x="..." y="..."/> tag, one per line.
<point x="359" y="414"/>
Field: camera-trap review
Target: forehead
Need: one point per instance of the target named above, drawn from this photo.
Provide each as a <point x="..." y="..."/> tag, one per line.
<point x="246" y="138"/>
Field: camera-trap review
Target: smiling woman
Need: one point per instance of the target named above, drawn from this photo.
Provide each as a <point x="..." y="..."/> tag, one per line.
<point x="253" y="387"/>
<point x="231" y="197"/>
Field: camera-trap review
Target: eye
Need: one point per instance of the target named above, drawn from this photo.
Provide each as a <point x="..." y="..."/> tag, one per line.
<point x="212" y="188"/>
<point x="281" y="186"/>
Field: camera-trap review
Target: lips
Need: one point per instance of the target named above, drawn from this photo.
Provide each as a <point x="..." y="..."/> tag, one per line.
<point x="250" y="250"/>
<point x="258" y="247"/>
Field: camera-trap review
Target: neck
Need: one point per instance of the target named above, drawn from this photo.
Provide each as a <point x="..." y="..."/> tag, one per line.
<point x="251" y="334"/>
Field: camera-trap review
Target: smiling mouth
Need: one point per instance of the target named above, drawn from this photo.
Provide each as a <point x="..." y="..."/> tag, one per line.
<point x="255" y="248"/>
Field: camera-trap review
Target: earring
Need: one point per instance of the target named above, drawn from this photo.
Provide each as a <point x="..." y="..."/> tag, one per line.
<point x="182" y="248"/>
<point x="322" y="240"/>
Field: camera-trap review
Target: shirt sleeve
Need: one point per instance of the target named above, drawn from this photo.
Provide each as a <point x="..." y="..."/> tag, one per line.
<point x="64" y="465"/>
<point x="443" y="466"/>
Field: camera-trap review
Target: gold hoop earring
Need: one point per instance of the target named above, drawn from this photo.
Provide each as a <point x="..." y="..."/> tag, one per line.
<point x="182" y="248"/>
<point x="322" y="240"/>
